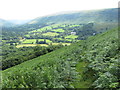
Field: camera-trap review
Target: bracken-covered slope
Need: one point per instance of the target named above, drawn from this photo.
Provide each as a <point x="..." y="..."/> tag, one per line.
<point x="85" y="64"/>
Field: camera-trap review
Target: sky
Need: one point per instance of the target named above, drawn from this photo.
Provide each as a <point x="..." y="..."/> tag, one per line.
<point x="30" y="9"/>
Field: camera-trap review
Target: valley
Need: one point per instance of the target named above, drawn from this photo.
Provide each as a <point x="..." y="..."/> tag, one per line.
<point x="73" y="50"/>
<point x="53" y="34"/>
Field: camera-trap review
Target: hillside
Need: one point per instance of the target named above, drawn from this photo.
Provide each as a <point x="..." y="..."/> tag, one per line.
<point x="103" y="15"/>
<point x="88" y="63"/>
<point x="96" y="16"/>
<point x="108" y="17"/>
<point x="91" y="21"/>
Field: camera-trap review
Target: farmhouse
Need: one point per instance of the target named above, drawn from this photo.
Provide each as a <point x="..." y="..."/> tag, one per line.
<point x="73" y="33"/>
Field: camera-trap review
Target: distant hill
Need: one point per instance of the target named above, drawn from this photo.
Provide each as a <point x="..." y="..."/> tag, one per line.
<point x="103" y="15"/>
<point x="97" y="16"/>
<point x="5" y="23"/>
<point x="102" y="19"/>
<point x="19" y="22"/>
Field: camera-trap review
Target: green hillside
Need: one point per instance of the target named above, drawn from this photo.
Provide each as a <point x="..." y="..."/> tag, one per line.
<point x="102" y="15"/>
<point x="103" y="20"/>
<point x="60" y="28"/>
<point x="107" y="18"/>
<point x="87" y="63"/>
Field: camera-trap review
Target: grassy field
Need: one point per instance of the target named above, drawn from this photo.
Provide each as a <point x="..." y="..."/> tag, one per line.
<point x="32" y="45"/>
<point x="61" y="43"/>
<point x="58" y="30"/>
<point x="50" y="34"/>
<point x="45" y="28"/>
<point x="27" y="35"/>
<point x="41" y="29"/>
<point x="71" y="36"/>
<point x="34" y="41"/>
<point x="74" y="25"/>
<point x="25" y="45"/>
<point x="53" y="26"/>
<point x="63" y="39"/>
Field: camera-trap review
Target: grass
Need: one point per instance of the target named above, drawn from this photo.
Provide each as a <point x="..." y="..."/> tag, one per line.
<point x="26" y="45"/>
<point x="50" y="34"/>
<point x="61" y="43"/>
<point x="27" y="35"/>
<point x="32" y="45"/>
<point x="55" y="25"/>
<point x="63" y="39"/>
<point x="28" y="41"/>
<point x="41" y="29"/>
<point x="71" y="36"/>
<point x="81" y="67"/>
<point x="74" y="25"/>
<point x="45" y="28"/>
<point x="58" y="30"/>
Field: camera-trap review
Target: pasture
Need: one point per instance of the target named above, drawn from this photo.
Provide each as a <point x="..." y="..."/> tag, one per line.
<point x="58" y="30"/>
<point x="50" y="34"/>
<point x="71" y="36"/>
<point x="33" y="41"/>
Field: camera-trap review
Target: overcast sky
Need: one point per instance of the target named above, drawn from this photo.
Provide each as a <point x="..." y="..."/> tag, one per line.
<point x="30" y="9"/>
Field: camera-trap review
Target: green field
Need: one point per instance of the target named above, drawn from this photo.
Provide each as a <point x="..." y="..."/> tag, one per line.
<point x="27" y="35"/>
<point x="61" y="43"/>
<point x="74" y="25"/>
<point x="34" y="41"/>
<point x="63" y="39"/>
<point x="71" y="36"/>
<point x="58" y="30"/>
<point x="50" y="34"/>
<point x="53" y="26"/>
<point x="41" y="29"/>
<point x="32" y="45"/>
<point x="45" y="28"/>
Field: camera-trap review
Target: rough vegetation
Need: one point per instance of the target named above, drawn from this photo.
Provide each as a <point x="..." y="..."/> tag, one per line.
<point x="74" y="50"/>
<point x="89" y="63"/>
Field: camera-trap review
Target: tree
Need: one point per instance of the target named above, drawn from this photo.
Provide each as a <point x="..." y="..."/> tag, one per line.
<point x="37" y="41"/>
<point x="44" y="41"/>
